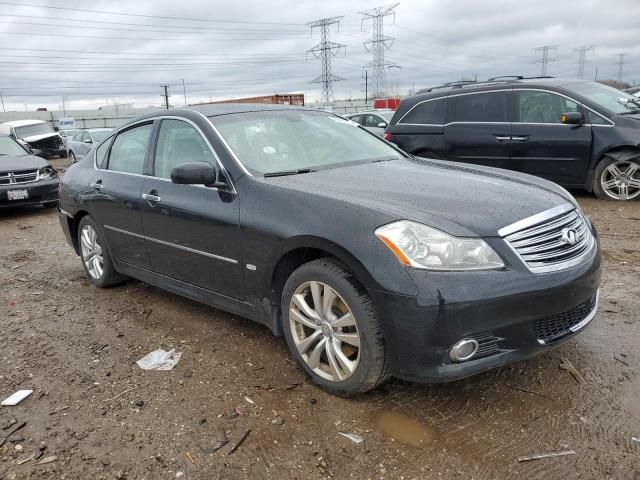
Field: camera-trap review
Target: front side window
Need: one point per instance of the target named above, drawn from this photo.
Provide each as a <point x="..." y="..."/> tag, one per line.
<point x="431" y="112"/>
<point x="86" y="136"/>
<point x="543" y="107"/>
<point x="129" y="149"/>
<point x="373" y="121"/>
<point x="481" y="107"/>
<point x="290" y="140"/>
<point x="358" y="119"/>
<point x="179" y="142"/>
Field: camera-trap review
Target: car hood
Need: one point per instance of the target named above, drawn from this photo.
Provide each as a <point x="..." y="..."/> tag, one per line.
<point x="26" y="162"/>
<point x="37" y="138"/>
<point x="459" y="199"/>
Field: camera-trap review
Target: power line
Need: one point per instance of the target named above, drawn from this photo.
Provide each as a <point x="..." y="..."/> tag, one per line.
<point x="377" y="45"/>
<point x="545" y="58"/>
<point x="582" y="53"/>
<point x="324" y="51"/>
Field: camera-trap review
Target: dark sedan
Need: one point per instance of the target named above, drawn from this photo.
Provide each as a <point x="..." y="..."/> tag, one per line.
<point x="370" y="262"/>
<point x="24" y="178"/>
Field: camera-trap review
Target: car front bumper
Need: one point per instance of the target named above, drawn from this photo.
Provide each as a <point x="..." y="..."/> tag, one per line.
<point x="513" y="314"/>
<point x="40" y="192"/>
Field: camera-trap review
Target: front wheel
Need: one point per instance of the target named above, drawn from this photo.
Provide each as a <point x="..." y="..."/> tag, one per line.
<point x="72" y="156"/>
<point x="332" y="329"/>
<point x="95" y="257"/>
<point x="616" y="178"/>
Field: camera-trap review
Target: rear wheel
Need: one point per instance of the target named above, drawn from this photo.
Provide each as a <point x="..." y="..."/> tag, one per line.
<point x="95" y="257"/>
<point x="617" y="177"/>
<point x="72" y="156"/>
<point x="332" y="330"/>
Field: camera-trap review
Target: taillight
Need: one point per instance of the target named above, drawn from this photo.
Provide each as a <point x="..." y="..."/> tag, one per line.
<point x="387" y="136"/>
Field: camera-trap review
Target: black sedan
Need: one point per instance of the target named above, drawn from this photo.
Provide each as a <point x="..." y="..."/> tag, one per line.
<point x="370" y="262"/>
<point x="24" y="178"/>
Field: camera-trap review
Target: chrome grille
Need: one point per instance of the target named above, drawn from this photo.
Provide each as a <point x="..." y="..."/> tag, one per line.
<point x="552" y="240"/>
<point x="20" y="176"/>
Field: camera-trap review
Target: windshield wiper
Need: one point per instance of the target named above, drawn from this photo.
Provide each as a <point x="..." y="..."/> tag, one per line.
<point x="288" y="172"/>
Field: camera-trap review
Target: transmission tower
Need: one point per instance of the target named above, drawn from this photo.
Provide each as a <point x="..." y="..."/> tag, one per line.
<point x="377" y="45"/>
<point x="545" y="58"/>
<point x="582" y="54"/>
<point x="620" y="65"/>
<point x="325" y="50"/>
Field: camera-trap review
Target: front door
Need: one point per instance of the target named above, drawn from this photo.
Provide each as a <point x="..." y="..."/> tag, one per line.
<point x="542" y="145"/>
<point x="480" y="129"/>
<point x="192" y="231"/>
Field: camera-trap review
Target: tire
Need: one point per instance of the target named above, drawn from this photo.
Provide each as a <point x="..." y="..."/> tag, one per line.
<point x="616" y="174"/>
<point x="72" y="156"/>
<point x="99" y="268"/>
<point x="350" y="314"/>
<point x="50" y="204"/>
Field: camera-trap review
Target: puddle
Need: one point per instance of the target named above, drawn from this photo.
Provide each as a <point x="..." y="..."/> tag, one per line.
<point x="405" y="429"/>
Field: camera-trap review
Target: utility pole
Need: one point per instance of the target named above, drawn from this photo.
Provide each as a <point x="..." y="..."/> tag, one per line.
<point x="366" y="85"/>
<point x="545" y="58"/>
<point x="324" y="51"/>
<point x="165" y="95"/>
<point x="582" y="54"/>
<point x="2" y="100"/>
<point x="377" y="45"/>
<point x="620" y="66"/>
<point x="64" y="107"/>
<point x="184" y="92"/>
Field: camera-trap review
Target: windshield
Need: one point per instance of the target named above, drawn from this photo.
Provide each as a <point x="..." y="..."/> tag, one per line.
<point x="70" y="133"/>
<point x="35" y="129"/>
<point x="608" y="97"/>
<point x="277" y="141"/>
<point x="11" y="148"/>
<point x="99" y="135"/>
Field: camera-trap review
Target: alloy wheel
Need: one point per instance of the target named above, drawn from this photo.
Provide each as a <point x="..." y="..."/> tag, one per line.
<point x="91" y="252"/>
<point x="324" y="331"/>
<point x="621" y="180"/>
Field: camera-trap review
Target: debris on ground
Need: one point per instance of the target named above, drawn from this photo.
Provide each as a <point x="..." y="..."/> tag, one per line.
<point x="352" y="436"/>
<point x="59" y="410"/>
<point x="235" y="413"/>
<point x="621" y="357"/>
<point x="46" y="460"/>
<point x="546" y="455"/>
<point x="239" y="442"/>
<point x="120" y="394"/>
<point x="16" y="398"/>
<point x="27" y="459"/>
<point x="160" y="360"/>
<point x="278" y="421"/>
<point x="249" y="400"/>
<point x="190" y="457"/>
<point x="13" y="430"/>
<point x="635" y="439"/>
<point x="220" y="441"/>
<point x="565" y="364"/>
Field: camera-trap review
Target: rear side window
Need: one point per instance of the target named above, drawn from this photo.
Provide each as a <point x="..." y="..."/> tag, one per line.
<point x="430" y="112"/>
<point x="481" y="107"/>
<point x="129" y="149"/>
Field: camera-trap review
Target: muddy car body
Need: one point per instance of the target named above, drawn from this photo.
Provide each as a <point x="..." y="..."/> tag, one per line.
<point x="36" y="135"/>
<point x="362" y="256"/>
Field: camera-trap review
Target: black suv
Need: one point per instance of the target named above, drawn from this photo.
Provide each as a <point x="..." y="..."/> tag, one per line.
<point x="577" y="133"/>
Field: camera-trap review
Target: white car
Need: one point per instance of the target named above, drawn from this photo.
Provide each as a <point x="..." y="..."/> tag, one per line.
<point x="37" y="135"/>
<point x="375" y="121"/>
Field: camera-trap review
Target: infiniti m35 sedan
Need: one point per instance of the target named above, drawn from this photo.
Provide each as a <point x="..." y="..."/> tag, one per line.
<point x="370" y="262"/>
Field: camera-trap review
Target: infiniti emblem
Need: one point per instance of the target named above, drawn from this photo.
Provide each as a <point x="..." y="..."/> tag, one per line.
<point x="570" y="236"/>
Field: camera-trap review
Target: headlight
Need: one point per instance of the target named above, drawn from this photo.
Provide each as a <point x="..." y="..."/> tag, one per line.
<point x="419" y="246"/>
<point x="46" y="172"/>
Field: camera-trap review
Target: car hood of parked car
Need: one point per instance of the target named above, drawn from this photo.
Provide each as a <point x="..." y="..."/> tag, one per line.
<point x="460" y="199"/>
<point x="42" y="136"/>
<point x="23" y="162"/>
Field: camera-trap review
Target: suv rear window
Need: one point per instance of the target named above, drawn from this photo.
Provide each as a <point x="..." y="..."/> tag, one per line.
<point x="430" y="112"/>
<point x="481" y="107"/>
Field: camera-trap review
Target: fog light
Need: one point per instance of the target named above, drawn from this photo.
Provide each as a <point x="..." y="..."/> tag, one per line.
<point x="463" y="350"/>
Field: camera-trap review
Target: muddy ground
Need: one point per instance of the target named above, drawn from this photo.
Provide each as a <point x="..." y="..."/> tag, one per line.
<point x="102" y="417"/>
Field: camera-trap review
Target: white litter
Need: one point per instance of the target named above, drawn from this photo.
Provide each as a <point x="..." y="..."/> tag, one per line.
<point x="16" y="398"/>
<point x="160" y="360"/>
<point x="353" y="437"/>
<point x="249" y="400"/>
<point x="636" y="439"/>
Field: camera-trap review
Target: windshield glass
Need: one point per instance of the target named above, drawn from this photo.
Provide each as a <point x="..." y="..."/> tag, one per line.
<point x="608" y="97"/>
<point x="10" y="147"/>
<point x="99" y="135"/>
<point x="35" y="129"/>
<point x="276" y="141"/>
<point x="70" y="133"/>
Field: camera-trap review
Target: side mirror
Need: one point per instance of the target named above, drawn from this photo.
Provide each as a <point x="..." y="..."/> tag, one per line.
<point x="382" y="125"/>
<point x="572" y="118"/>
<point x="196" y="173"/>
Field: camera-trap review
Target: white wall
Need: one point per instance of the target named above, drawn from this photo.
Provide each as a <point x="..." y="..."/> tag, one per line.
<point x="83" y="118"/>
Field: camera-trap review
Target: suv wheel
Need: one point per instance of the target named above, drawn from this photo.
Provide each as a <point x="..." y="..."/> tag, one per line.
<point x="95" y="256"/>
<point x="617" y="179"/>
<point x="332" y="330"/>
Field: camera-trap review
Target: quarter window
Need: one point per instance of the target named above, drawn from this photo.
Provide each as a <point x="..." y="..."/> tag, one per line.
<point x="129" y="149"/>
<point x="543" y="107"/>
<point x="594" y="119"/>
<point x="430" y="112"/>
<point x="101" y="154"/>
<point x="481" y="107"/>
<point x="179" y="142"/>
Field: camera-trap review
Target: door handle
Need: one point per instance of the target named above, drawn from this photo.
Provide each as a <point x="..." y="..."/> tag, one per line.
<point x="97" y="185"/>
<point x="151" y="198"/>
<point x="520" y="139"/>
<point x="502" y="138"/>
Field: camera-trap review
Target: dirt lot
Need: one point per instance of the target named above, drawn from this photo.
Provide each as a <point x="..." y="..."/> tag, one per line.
<point x="103" y="417"/>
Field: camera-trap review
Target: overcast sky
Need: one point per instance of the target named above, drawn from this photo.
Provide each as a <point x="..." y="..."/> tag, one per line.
<point x="254" y="47"/>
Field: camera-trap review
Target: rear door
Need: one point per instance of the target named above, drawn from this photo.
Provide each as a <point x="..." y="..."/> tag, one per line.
<point x="542" y="145"/>
<point x="479" y="130"/>
<point x="192" y="231"/>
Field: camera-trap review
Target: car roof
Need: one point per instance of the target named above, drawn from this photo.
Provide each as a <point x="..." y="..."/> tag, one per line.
<point x="22" y="123"/>
<point x="96" y="129"/>
<point x="364" y="112"/>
